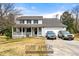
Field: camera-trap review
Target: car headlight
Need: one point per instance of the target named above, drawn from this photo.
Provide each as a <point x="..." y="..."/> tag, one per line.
<point x="73" y="35"/>
<point x="65" y="35"/>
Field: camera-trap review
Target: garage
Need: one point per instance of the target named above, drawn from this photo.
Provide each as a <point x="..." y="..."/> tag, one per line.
<point x="52" y="24"/>
<point x="55" y="30"/>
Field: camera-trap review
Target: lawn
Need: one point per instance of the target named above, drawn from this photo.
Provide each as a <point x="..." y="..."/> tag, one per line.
<point x="21" y="47"/>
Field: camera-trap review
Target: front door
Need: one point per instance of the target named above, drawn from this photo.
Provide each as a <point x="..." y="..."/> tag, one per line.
<point x="35" y="31"/>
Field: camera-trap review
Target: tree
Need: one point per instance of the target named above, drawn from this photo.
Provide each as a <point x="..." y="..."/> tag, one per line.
<point x="75" y="11"/>
<point x="7" y="15"/>
<point x="67" y="19"/>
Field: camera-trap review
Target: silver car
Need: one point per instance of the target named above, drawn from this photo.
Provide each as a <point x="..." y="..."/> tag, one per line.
<point x="65" y="35"/>
<point x="50" y="35"/>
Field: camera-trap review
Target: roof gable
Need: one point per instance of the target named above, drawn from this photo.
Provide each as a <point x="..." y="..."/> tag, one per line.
<point x="29" y="17"/>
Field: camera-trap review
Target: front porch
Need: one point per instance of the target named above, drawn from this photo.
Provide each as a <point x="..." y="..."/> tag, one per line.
<point x="19" y="32"/>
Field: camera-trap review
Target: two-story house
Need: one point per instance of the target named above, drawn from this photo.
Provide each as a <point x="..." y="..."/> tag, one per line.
<point x="35" y="26"/>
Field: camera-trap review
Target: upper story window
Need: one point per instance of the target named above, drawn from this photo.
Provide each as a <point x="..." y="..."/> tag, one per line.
<point x="35" y="21"/>
<point x="28" y="21"/>
<point x="21" y="21"/>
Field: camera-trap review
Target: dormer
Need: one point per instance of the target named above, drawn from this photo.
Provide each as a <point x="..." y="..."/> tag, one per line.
<point x="29" y="20"/>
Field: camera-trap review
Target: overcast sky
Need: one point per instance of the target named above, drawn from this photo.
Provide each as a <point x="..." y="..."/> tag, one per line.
<point x="44" y="9"/>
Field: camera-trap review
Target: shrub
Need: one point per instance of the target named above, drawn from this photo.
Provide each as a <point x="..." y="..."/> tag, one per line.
<point x="8" y="33"/>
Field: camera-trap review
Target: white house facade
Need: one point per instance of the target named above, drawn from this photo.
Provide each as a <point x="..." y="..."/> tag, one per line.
<point x="35" y="26"/>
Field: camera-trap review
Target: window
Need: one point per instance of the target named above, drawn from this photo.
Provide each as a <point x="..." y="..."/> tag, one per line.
<point x="28" y="29"/>
<point x="28" y="21"/>
<point x="23" y="29"/>
<point x="18" y="30"/>
<point x="35" y="21"/>
<point x="21" y="21"/>
<point x="40" y="31"/>
<point x="14" y="29"/>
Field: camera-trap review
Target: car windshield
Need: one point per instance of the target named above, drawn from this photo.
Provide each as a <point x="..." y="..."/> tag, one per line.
<point x="50" y="32"/>
<point x="66" y="32"/>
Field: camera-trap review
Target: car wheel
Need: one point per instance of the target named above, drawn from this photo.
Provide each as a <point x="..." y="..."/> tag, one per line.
<point x="55" y="38"/>
<point x="63" y="38"/>
<point x="58" y="36"/>
<point x="71" y="39"/>
<point x="47" y="37"/>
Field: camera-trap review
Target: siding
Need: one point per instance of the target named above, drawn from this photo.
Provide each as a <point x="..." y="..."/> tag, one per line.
<point x="25" y="22"/>
<point x="39" y="21"/>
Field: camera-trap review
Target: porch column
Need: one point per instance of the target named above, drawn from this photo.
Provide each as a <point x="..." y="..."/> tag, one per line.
<point x="25" y="31"/>
<point x="12" y="32"/>
<point x="31" y="31"/>
<point x="22" y="31"/>
<point x="38" y="31"/>
<point x="31" y="21"/>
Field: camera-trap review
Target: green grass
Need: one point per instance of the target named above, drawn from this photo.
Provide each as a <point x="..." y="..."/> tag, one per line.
<point x="18" y="47"/>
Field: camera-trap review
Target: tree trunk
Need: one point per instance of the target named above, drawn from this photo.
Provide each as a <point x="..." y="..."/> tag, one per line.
<point x="76" y="23"/>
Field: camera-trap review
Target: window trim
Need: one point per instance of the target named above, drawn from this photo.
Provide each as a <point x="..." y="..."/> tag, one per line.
<point x="28" y="21"/>
<point x="28" y="29"/>
<point x="36" y="22"/>
<point x="22" y="21"/>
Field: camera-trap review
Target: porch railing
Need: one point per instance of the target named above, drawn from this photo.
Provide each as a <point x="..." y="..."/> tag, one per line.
<point x="21" y="33"/>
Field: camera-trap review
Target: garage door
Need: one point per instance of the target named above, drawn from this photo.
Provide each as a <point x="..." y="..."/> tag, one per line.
<point x="55" y="30"/>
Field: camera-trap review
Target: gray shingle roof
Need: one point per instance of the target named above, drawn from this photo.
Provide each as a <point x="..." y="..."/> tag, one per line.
<point x="47" y="22"/>
<point x="52" y="22"/>
<point x="29" y="25"/>
<point x="30" y="17"/>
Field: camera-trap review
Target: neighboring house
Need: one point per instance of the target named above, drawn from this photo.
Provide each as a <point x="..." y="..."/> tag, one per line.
<point x="35" y="26"/>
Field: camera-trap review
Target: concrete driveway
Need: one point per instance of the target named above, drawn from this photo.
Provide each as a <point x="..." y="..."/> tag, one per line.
<point x="63" y="47"/>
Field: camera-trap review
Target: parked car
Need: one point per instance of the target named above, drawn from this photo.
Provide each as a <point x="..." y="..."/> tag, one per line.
<point x="50" y="35"/>
<point x="65" y="35"/>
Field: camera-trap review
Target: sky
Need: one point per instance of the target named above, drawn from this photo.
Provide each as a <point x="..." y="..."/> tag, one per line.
<point x="47" y="10"/>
